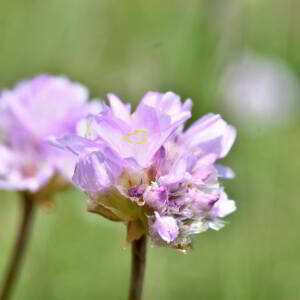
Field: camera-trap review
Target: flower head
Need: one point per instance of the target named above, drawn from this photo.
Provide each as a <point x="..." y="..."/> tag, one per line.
<point x="260" y="92"/>
<point x="29" y="114"/>
<point x="142" y="168"/>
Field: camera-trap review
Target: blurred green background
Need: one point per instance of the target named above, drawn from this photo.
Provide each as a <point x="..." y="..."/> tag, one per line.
<point x="129" y="47"/>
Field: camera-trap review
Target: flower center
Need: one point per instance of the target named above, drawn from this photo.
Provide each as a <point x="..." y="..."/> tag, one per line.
<point x="138" y="136"/>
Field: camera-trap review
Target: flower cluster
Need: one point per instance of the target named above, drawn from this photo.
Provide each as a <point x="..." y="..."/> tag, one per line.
<point x="29" y="114"/>
<point x="144" y="169"/>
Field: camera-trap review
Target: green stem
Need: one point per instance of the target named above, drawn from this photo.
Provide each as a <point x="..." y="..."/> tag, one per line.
<point x="138" y="264"/>
<point x="14" y="267"/>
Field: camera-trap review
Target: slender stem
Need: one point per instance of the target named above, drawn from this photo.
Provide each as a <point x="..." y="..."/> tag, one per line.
<point x="138" y="264"/>
<point x="13" y="270"/>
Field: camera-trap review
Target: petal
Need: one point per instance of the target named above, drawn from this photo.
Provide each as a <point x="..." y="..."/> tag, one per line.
<point x="209" y="127"/>
<point x="112" y="131"/>
<point x="65" y="163"/>
<point x="45" y="95"/>
<point x="197" y="226"/>
<point x="159" y="128"/>
<point x="75" y="144"/>
<point x="180" y="170"/>
<point x="225" y="172"/>
<point x="156" y="197"/>
<point x="62" y="158"/>
<point x="166" y="227"/>
<point x="12" y="176"/>
<point x="228" y="140"/>
<point x="216" y="224"/>
<point x="187" y="105"/>
<point x="212" y="136"/>
<point x="147" y="117"/>
<point x="10" y="186"/>
<point x="159" y="161"/>
<point x="151" y="98"/>
<point x="7" y="158"/>
<point x="204" y="173"/>
<point x="223" y="206"/>
<point x="16" y="181"/>
<point x="120" y="110"/>
<point x="168" y="103"/>
<point x="97" y="171"/>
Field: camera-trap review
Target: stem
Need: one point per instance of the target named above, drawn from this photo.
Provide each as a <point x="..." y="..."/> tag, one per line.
<point x="20" y="246"/>
<point x="138" y="263"/>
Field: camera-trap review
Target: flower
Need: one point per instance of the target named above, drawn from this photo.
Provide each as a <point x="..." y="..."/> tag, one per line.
<point x="260" y="92"/>
<point x="29" y="114"/>
<point x="143" y="169"/>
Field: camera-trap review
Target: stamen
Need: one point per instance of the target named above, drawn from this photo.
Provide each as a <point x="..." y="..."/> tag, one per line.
<point x="138" y="133"/>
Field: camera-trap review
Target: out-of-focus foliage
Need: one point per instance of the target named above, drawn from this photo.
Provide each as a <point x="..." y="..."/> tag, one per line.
<point x="129" y="47"/>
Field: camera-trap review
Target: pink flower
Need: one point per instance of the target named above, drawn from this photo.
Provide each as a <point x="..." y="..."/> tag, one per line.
<point x="143" y="168"/>
<point x="29" y="114"/>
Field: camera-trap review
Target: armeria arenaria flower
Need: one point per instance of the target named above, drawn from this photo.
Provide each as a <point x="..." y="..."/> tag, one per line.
<point x="29" y="114"/>
<point x="142" y="168"/>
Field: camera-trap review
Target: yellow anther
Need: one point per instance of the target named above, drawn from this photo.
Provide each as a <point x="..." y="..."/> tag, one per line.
<point x="138" y="133"/>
